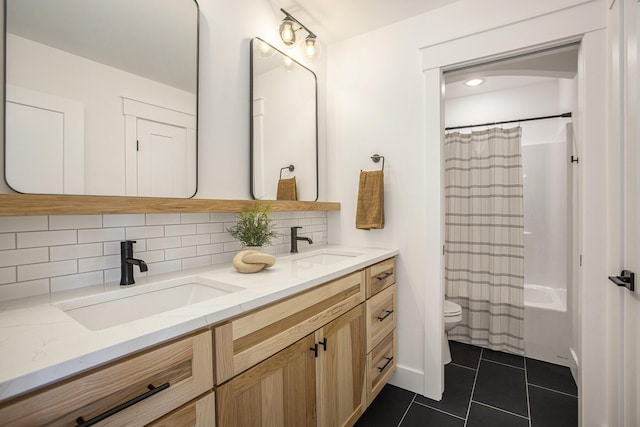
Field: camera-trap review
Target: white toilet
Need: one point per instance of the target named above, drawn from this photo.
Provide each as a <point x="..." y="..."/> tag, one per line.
<point x="452" y="316"/>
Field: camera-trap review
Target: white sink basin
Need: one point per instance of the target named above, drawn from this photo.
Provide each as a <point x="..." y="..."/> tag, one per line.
<point x="327" y="257"/>
<point x="125" y="305"/>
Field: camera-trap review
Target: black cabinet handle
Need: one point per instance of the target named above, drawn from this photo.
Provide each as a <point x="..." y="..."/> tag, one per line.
<point x="315" y="350"/>
<point x="389" y="359"/>
<point x="384" y="316"/>
<point x="152" y="390"/>
<point x="323" y="343"/>
<point x="627" y="279"/>
<point x="383" y="276"/>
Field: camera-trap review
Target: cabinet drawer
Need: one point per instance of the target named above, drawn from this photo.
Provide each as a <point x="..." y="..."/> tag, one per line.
<point x="381" y="363"/>
<point x="381" y="316"/>
<point x="201" y="413"/>
<point x="252" y="338"/>
<point x="380" y="276"/>
<point x="179" y="371"/>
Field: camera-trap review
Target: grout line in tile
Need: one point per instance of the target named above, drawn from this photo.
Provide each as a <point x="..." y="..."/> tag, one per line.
<point x="550" y="389"/>
<point x="503" y="364"/>
<point x="462" y="366"/>
<point x="503" y="410"/>
<point x="473" y="389"/>
<point x="407" y="410"/>
<point x="426" y="405"/>
<point x="526" y="386"/>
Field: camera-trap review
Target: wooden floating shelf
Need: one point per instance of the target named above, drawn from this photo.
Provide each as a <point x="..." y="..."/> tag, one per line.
<point x="41" y="204"/>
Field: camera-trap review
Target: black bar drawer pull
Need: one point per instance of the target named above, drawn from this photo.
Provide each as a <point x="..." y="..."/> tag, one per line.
<point x="383" y="367"/>
<point x="383" y="276"/>
<point x="152" y="390"/>
<point x="384" y="316"/>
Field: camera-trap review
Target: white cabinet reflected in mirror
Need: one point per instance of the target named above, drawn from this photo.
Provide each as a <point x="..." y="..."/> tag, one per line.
<point x="101" y="97"/>
<point x="284" y="136"/>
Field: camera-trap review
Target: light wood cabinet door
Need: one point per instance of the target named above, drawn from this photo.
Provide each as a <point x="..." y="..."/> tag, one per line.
<point x="279" y="392"/>
<point x="201" y="413"/>
<point x="340" y="369"/>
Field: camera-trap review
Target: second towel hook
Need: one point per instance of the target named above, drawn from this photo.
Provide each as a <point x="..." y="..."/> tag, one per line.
<point x="290" y="167"/>
<point x="376" y="158"/>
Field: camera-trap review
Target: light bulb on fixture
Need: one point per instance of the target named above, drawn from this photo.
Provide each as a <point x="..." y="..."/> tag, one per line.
<point x="264" y="50"/>
<point x="310" y="48"/>
<point x="287" y="33"/>
<point x="474" y="82"/>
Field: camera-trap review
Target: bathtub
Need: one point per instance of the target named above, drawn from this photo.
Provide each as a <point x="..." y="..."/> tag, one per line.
<point x="547" y="324"/>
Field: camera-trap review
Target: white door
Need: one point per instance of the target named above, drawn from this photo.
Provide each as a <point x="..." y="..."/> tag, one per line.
<point x="631" y="219"/>
<point x="162" y="159"/>
<point x="44" y="143"/>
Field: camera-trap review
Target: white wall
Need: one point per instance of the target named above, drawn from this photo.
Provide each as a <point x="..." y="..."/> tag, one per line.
<point x="377" y="102"/>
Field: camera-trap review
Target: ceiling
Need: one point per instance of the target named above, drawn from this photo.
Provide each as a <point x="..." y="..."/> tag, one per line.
<point x="334" y="20"/>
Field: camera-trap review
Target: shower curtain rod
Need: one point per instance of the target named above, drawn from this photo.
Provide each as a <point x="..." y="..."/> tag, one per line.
<point x="510" y="121"/>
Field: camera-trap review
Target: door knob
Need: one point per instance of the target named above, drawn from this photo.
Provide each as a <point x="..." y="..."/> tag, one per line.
<point x="626" y="279"/>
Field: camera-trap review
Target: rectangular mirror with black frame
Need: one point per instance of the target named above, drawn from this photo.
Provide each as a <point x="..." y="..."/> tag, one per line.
<point x="101" y="97"/>
<point x="284" y="128"/>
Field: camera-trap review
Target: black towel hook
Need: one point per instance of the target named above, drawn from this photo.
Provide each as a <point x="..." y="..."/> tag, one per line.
<point x="290" y="167"/>
<point x="376" y="158"/>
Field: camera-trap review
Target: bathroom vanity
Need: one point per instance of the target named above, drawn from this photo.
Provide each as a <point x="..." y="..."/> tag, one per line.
<point x="310" y="342"/>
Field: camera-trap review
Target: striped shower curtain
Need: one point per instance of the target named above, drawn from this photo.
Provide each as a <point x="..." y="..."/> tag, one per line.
<point x="484" y="245"/>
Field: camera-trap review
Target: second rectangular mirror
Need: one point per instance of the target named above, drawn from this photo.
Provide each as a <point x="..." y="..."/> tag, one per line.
<point x="284" y="135"/>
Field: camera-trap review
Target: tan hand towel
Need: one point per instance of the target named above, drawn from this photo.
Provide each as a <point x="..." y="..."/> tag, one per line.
<point x="287" y="189"/>
<point x="370" y="208"/>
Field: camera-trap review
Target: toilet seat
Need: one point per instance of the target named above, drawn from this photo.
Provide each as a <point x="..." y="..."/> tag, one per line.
<point x="451" y="309"/>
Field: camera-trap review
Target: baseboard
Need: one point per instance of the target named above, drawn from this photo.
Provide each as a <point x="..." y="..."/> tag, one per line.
<point x="408" y="379"/>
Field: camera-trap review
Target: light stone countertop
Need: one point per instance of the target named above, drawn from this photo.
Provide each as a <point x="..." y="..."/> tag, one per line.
<point x="41" y="344"/>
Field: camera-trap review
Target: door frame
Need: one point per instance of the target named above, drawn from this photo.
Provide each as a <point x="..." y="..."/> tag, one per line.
<point x="584" y="23"/>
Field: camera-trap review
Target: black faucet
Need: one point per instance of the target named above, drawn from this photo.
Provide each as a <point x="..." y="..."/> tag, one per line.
<point x="127" y="261"/>
<point x="295" y="238"/>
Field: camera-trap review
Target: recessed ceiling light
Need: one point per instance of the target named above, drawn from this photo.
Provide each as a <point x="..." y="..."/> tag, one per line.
<point x="474" y="82"/>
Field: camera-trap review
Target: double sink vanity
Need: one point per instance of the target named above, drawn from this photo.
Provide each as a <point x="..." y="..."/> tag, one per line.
<point x="310" y="341"/>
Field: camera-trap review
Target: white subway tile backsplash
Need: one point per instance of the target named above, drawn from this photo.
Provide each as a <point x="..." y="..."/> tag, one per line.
<point x="164" y="267"/>
<point x="35" y="239"/>
<point x="223" y="217"/>
<point x="150" y="256"/>
<point x="210" y="228"/>
<point x="59" y="253"/>
<point x="39" y="255"/>
<point x="7" y="241"/>
<point x="164" y="243"/>
<point x="24" y="289"/>
<point x="196" y="262"/>
<point x="163" y="219"/>
<point x="210" y="249"/>
<point x="14" y="224"/>
<point x="98" y="263"/>
<point x="74" y="222"/>
<point x="179" y="230"/>
<point x="179" y="253"/>
<point x="194" y="218"/>
<point x="8" y="275"/>
<point x="74" y="281"/>
<point x="196" y="239"/>
<point x="100" y="235"/>
<point x="47" y="269"/>
<point x="133" y="233"/>
<point x="23" y="256"/>
<point x="123" y="220"/>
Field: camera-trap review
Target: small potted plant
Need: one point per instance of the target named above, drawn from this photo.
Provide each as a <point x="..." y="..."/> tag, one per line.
<point x="254" y="228"/>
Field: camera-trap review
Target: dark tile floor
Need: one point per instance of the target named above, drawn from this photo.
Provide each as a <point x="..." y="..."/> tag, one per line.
<point x="484" y="388"/>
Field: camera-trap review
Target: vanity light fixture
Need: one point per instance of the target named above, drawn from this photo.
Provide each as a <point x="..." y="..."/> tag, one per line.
<point x="474" y="82"/>
<point x="288" y="35"/>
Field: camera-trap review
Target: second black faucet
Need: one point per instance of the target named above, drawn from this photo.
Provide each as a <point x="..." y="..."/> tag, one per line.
<point x="295" y="238"/>
<point x="127" y="261"/>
